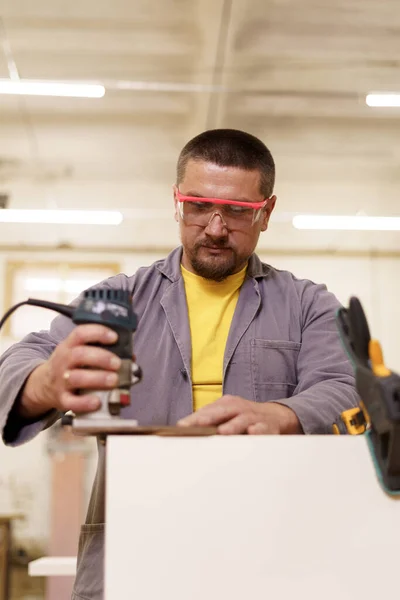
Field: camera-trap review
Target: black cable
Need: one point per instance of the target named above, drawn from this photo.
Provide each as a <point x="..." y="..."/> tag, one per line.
<point x="63" y="309"/>
<point x="67" y="311"/>
<point x="10" y="312"/>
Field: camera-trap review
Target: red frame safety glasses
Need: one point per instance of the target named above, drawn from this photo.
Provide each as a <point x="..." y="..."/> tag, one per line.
<point x="235" y="214"/>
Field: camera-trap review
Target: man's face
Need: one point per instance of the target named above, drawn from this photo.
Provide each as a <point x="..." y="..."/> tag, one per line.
<point x="215" y="251"/>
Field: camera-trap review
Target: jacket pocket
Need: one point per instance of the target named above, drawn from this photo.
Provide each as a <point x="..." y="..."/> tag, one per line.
<point x="274" y="367"/>
<point x="89" y="582"/>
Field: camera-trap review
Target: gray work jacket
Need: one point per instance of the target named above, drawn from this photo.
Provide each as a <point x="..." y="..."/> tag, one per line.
<point x="282" y="345"/>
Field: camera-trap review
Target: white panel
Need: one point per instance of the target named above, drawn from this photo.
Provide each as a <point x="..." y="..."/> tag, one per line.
<point x="247" y="517"/>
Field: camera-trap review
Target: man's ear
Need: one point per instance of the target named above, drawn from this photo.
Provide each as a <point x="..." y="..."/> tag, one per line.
<point x="176" y="211"/>
<point x="267" y="212"/>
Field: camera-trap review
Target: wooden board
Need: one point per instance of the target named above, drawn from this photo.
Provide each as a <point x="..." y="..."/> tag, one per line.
<point x="161" y="430"/>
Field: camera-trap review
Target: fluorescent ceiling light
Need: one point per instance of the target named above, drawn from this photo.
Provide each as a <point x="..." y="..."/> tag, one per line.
<point x="347" y="223"/>
<point x="61" y="217"/>
<point x="383" y="100"/>
<point x="25" y="87"/>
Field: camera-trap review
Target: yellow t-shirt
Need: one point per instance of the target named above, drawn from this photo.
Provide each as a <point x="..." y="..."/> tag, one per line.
<point x="211" y="305"/>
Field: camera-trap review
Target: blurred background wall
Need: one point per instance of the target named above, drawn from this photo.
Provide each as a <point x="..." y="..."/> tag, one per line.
<point x="293" y="72"/>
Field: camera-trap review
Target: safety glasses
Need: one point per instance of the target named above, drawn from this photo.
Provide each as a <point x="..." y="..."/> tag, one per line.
<point x="234" y="213"/>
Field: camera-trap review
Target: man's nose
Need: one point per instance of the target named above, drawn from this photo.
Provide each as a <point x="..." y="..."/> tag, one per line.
<point x="216" y="225"/>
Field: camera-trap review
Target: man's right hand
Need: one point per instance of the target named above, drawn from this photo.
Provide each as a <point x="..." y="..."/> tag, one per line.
<point x="52" y="384"/>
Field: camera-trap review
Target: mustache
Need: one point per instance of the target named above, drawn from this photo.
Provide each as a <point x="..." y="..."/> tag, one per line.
<point x="220" y="244"/>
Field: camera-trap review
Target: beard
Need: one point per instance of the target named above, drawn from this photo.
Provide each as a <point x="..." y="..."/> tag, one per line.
<point x="214" y="267"/>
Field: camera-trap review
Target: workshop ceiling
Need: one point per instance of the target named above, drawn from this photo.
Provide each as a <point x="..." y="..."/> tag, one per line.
<point x="295" y="73"/>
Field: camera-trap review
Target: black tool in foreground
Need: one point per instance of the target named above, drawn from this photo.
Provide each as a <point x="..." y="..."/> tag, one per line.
<point x="378" y="414"/>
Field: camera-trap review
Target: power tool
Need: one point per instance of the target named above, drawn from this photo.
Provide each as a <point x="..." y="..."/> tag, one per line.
<point x="378" y="414"/>
<point x="112" y="308"/>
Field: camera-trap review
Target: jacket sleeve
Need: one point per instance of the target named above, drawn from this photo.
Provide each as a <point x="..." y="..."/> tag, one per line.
<point x="325" y="377"/>
<point x="18" y="362"/>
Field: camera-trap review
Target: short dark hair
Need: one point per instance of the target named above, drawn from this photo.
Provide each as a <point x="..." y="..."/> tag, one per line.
<point x="230" y="148"/>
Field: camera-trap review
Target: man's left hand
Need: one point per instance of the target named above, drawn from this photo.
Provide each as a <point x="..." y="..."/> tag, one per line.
<point x="234" y="415"/>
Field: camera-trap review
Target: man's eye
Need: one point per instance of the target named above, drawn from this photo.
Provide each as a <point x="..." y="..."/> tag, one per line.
<point x="199" y="206"/>
<point x="239" y="211"/>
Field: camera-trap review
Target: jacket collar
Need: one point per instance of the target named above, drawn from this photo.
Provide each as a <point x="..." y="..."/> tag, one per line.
<point x="171" y="266"/>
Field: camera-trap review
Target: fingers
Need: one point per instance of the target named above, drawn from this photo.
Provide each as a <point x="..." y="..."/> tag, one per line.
<point x="91" y="356"/>
<point x="213" y="414"/>
<point x="247" y="423"/>
<point x="231" y="423"/>
<point x="75" y="364"/>
<point x="51" y="385"/>
<point x="234" y="415"/>
<point x="99" y="364"/>
<point x="237" y="425"/>
<point x="78" y="404"/>
<point x="262" y="429"/>
<point x="90" y="333"/>
<point x="89" y="379"/>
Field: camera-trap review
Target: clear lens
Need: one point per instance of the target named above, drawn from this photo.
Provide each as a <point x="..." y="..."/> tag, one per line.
<point x="200" y="213"/>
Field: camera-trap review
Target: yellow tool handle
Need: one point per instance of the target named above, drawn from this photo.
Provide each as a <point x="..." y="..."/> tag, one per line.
<point x="376" y="357"/>
<point x="355" y="419"/>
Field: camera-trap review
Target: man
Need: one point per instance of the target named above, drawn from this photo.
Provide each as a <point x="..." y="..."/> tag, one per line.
<point x="223" y="339"/>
